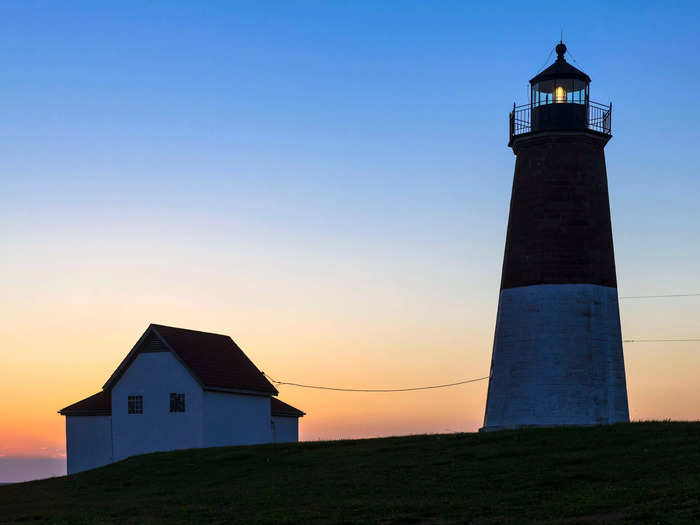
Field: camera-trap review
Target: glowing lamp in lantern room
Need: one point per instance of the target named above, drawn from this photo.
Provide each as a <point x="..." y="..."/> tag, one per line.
<point x="560" y="94"/>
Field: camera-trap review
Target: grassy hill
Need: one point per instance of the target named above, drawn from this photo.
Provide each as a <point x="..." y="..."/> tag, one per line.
<point x="634" y="473"/>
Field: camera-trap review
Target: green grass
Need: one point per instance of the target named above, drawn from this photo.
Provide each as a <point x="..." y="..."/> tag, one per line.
<point x="632" y="473"/>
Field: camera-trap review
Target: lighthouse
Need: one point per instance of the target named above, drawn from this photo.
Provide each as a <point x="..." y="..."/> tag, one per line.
<point x="557" y="352"/>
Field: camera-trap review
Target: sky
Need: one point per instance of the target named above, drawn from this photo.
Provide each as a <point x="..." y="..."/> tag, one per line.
<point x="325" y="182"/>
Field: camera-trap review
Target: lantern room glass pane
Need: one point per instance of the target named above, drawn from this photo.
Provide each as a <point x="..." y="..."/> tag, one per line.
<point x="568" y="90"/>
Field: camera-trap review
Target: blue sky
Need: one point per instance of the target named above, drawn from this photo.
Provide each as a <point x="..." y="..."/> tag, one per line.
<point x="305" y="104"/>
<point x="330" y="174"/>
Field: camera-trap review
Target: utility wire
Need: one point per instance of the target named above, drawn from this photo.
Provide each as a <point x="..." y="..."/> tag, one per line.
<point x="657" y="296"/>
<point x="660" y="340"/>
<point x="546" y="61"/>
<point x="376" y="389"/>
<point x="572" y="58"/>
<point x="466" y="381"/>
<point x="446" y="385"/>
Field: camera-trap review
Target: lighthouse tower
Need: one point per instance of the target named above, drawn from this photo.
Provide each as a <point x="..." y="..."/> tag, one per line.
<point x="557" y="351"/>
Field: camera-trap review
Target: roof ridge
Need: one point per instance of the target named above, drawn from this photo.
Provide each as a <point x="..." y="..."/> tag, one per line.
<point x="213" y="360"/>
<point x="187" y="329"/>
<point x="255" y="379"/>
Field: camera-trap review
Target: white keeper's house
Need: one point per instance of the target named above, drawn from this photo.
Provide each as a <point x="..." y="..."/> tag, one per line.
<point x="177" y="389"/>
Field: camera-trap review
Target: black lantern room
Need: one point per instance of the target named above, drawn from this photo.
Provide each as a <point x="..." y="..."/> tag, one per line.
<point x="559" y="96"/>
<point x="559" y="100"/>
<point x="560" y="83"/>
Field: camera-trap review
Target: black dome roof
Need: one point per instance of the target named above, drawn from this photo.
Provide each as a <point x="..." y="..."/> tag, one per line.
<point x="560" y="69"/>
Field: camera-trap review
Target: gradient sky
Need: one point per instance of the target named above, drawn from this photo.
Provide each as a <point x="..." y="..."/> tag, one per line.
<point x="326" y="182"/>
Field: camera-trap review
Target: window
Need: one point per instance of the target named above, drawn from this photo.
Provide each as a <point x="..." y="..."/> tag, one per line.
<point x="177" y="402"/>
<point x="135" y="404"/>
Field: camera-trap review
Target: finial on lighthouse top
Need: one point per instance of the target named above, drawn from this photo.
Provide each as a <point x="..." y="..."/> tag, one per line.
<point x="559" y="100"/>
<point x="560" y="69"/>
<point x="561" y="50"/>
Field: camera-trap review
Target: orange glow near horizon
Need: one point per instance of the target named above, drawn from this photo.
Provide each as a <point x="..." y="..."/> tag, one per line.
<point x="328" y="183"/>
<point x="67" y="363"/>
<point x="308" y="309"/>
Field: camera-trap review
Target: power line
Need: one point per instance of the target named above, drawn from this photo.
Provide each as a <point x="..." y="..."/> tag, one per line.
<point x="572" y="58"/>
<point x="663" y="295"/>
<point x="547" y="61"/>
<point x="447" y="385"/>
<point x="316" y="387"/>
<point x="660" y="340"/>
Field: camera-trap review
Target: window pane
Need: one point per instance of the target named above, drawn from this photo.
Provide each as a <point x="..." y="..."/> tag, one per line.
<point x="177" y="402"/>
<point x="135" y="404"/>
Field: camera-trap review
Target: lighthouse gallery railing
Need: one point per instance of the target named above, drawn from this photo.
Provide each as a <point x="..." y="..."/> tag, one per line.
<point x="599" y="118"/>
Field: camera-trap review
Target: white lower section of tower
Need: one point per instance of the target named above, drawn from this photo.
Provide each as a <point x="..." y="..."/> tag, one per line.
<point x="557" y="358"/>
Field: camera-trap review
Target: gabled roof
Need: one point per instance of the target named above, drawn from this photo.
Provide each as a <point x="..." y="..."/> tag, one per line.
<point x="280" y="408"/>
<point x="214" y="360"/>
<point x="99" y="404"/>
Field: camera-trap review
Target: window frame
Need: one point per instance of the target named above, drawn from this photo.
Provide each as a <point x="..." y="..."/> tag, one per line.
<point x="134" y="404"/>
<point x="177" y="403"/>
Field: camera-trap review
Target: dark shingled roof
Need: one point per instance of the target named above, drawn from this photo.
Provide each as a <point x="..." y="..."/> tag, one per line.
<point x="280" y="408"/>
<point x="214" y="360"/>
<point x="99" y="404"/>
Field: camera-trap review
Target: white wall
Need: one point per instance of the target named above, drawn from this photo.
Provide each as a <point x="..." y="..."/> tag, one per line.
<point x="154" y="376"/>
<point x="285" y="429"/>
<point x="88" y="442"/>
<point x="235" y="419"/>
<point x="557" y="358"/>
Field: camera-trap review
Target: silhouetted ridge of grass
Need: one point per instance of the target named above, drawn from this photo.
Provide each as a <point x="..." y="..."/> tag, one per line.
<point x="633" y="473"/>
